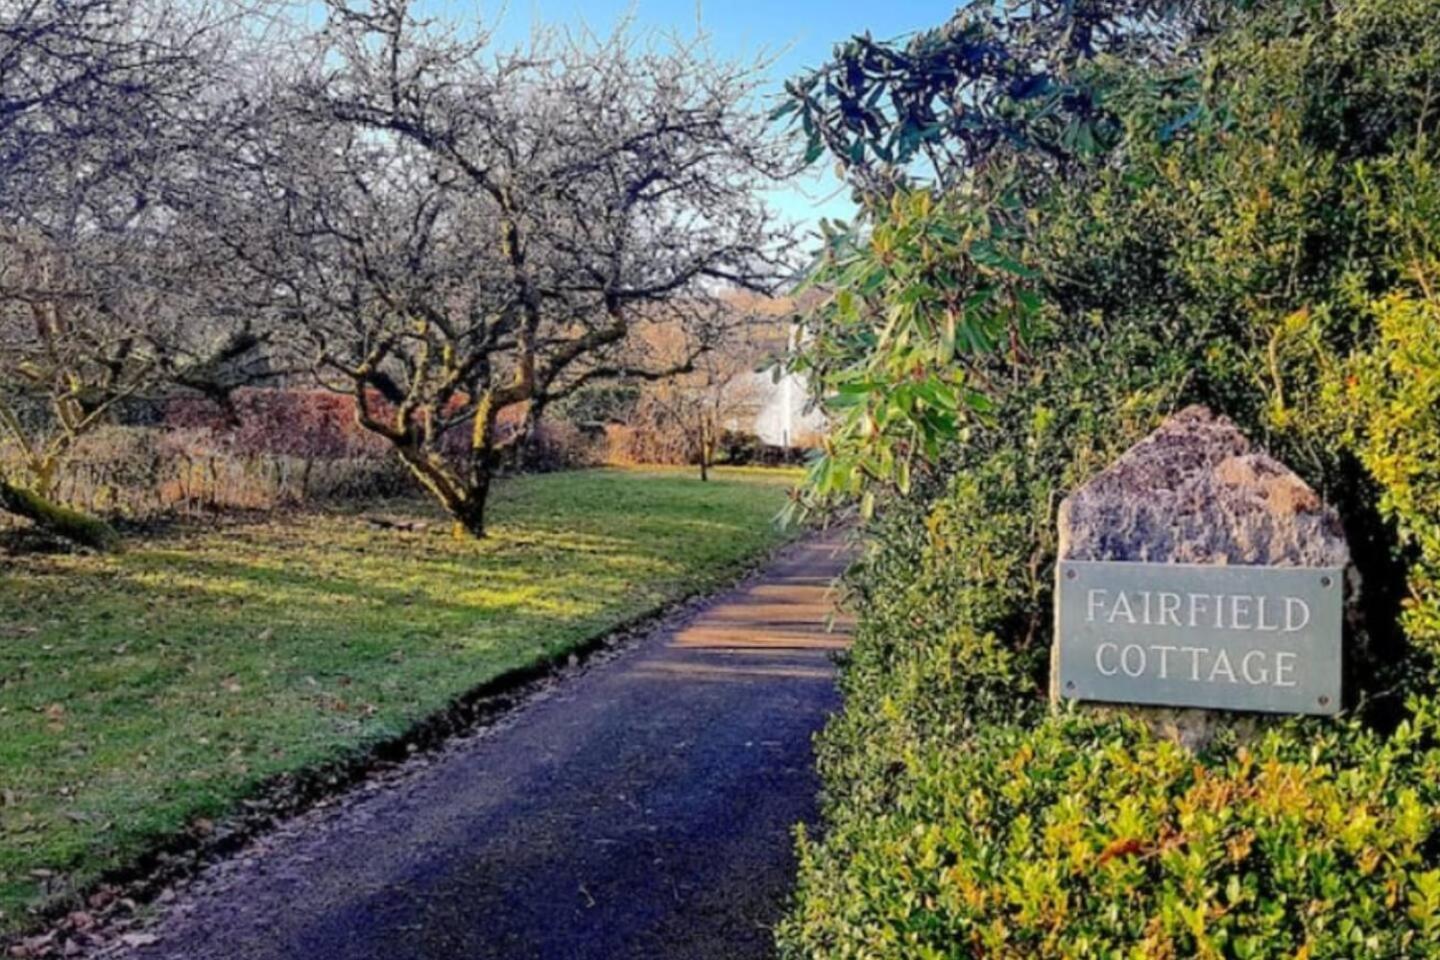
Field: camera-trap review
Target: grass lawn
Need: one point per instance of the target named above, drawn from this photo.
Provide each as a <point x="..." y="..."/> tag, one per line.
<point x="143" y="693"/>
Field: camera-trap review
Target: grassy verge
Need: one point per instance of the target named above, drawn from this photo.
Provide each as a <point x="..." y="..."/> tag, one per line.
<point x="145" y="693"/>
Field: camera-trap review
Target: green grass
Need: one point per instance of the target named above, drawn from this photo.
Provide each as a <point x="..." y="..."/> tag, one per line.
<point x="142" y="692"/>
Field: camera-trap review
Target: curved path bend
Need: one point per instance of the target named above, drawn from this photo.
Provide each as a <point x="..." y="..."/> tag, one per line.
<point x="642" y="809"/>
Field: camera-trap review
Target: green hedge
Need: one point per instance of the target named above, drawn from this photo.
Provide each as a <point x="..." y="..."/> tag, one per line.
<point x="965" y="818"/>
<point x="1392" y="394"/>
<point x="1080" y="837"/>
<point x="1276" y="261"/>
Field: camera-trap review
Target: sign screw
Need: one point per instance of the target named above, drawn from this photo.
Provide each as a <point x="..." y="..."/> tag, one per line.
<point x="1070" y="574"/>
<point x="1324" y="700"/>
<point x="1070" y="685"/>
<point x="1325" y="582"/>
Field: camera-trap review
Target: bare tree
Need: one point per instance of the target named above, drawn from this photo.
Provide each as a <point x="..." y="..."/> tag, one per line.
<point x="457" y="231"/>
<point x="698" y="405"/>
<point x="79" y="81"/>
<point x="104" y="109"/>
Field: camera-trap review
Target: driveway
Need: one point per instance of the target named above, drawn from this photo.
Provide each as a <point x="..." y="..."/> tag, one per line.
<point x="643" y="808"/>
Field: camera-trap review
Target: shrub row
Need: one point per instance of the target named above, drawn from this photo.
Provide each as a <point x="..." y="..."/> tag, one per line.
<point x="270" y="448"/>
<point x="966" y="818"/>
<point x="1274" y="262"/>
<point x="1087" y="837"/>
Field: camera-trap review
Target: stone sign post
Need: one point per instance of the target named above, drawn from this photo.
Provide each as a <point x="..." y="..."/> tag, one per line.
<point x="1197" y="574"/>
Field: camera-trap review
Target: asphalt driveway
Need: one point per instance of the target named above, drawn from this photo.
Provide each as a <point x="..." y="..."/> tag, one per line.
<point x="641" y="809"/>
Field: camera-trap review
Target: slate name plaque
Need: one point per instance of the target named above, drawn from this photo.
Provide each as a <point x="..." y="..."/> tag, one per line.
<point x="1218" y="637"/>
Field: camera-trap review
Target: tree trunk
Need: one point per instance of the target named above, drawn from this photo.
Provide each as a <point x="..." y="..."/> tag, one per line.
<point x="470" y="516"/>
<point x="463" y="501"/>
<point x="462" y="494"/>
<point x="707" y="451"/>
<point x="61" y="521"/>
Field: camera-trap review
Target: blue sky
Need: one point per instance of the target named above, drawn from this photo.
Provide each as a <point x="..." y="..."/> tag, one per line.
<point x="799" y="33"/>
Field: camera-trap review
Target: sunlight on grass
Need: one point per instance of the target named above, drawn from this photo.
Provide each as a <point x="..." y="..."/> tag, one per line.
<point x="143" y="691"/>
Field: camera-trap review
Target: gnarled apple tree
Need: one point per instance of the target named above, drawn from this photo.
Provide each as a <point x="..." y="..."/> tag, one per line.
<point x="464" y="235"/>
<point x="104" y="107"/>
